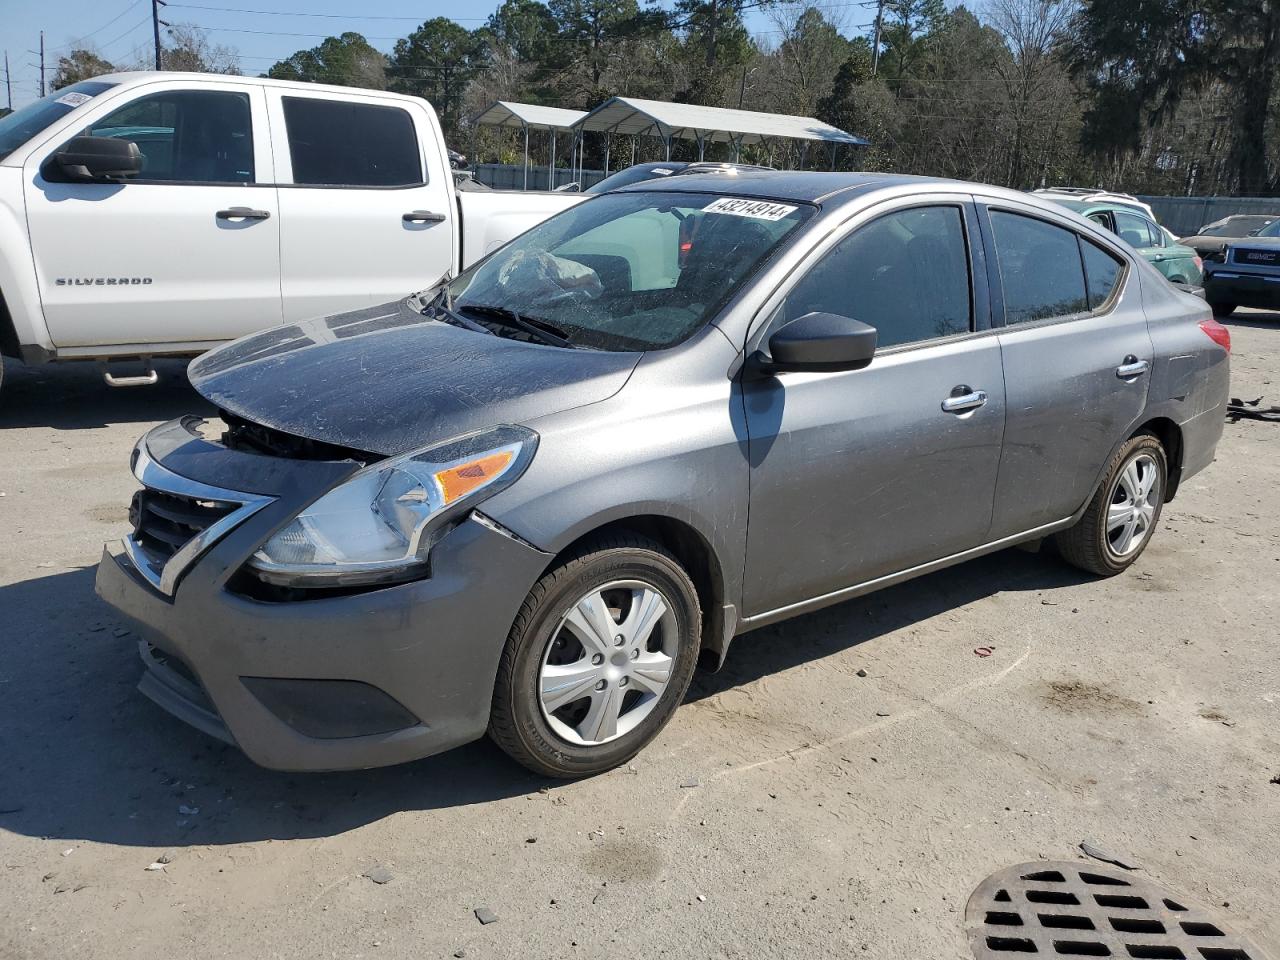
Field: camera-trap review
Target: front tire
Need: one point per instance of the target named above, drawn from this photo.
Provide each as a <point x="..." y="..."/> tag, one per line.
<point x="599" y="657"/>
<point x="1120" y="519"/>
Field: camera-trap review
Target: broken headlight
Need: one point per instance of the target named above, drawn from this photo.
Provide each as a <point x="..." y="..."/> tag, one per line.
<point x="379" y="526"/>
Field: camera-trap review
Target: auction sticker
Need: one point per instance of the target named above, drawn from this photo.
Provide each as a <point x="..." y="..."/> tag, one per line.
<point x="757" y="209"/>
<point x="74" y="99"/>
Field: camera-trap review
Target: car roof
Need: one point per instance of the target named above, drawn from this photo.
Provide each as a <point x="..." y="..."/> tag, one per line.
<point x="806" y="186"/>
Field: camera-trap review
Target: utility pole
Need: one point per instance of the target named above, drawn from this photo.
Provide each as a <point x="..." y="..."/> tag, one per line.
<point x="41" y="63"/>
<point x="8" y="81"/>
<point x="875" y="45"/>
<point x="155" y="27"/>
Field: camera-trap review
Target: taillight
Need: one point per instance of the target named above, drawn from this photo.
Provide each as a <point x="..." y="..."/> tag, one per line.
<point x="1198" y="262"/>
<point x="1217" y="333"/>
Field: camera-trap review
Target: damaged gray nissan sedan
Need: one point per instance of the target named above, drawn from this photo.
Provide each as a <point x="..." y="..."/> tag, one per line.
<point x="530" y="500"/>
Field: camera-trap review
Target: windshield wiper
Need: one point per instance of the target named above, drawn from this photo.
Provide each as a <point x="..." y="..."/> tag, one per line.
<point x="442" y="305"/>
<point x="536" y="327"/>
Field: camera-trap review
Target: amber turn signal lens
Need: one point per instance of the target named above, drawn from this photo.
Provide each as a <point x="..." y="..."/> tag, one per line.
<point x="460" y="480"/>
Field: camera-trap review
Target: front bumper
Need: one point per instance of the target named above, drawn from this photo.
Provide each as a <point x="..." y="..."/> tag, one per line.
<point x="1228" y="285"/>
<point x="427" y="651"/>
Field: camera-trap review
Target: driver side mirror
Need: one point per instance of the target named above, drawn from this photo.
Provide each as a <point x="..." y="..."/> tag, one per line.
<point x="821" y="342"/>
<point x="95" y="159"/>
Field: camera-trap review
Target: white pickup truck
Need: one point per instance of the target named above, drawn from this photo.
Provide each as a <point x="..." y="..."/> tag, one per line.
<point x="150" y="214"/>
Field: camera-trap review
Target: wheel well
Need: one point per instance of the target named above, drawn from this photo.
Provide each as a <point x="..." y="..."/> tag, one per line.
<point x="1170" y="436"/>
<point x="697" y="558"/>
<point x="9" y="346"/>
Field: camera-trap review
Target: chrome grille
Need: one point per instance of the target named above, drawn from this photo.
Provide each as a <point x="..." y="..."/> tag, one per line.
<point x="176" y="519"/>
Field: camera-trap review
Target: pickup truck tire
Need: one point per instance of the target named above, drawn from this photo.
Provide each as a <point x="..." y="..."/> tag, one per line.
<point x="1223" y="309"/>
<point x="533" y="721"/>
<point x="1096" y="542"/>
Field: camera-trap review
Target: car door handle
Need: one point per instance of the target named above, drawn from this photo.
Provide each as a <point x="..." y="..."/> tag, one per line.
<point x="1132" y="367"/>
<point x="964" y="398"/>
<point x="423" y="216"/>
<point x="243" y="213"/>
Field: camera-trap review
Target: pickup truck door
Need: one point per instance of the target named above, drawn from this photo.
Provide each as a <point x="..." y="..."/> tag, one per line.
<point x="186" y="253"/>
<point x="366" y="200"/>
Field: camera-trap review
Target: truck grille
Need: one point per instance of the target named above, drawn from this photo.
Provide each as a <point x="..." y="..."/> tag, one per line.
<point x="163" y="523"/>
<point x="1268" y="258"/>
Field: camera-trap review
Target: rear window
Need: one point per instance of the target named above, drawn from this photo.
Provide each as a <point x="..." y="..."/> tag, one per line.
<point x="341" y="143"/>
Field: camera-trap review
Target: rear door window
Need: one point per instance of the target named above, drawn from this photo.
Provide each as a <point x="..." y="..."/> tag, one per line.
<point x="343" y="143"/>
<point x="1040" y="268"/>
<point x="1137" y="231"/>
<point x="906" y="274"/>
<point x="187" y="136"/>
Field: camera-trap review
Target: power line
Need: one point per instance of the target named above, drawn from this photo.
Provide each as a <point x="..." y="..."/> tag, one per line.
<point x="93" y="33"/>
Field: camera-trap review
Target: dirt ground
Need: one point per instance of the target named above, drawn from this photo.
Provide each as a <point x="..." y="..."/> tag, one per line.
<point x="792" y="808"/>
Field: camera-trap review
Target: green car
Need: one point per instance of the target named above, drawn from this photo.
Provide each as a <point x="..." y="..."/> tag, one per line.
<point x="1180" y="264"/>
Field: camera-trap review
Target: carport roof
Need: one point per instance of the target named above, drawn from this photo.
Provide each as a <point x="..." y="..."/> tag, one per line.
<point x="689" y="121"/>
<point x="504" y="113"/>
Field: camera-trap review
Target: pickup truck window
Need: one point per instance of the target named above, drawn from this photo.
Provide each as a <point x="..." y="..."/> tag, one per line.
<point x="190" y="136"/>
<point x="23" y="124"/>
<point x="627" y="271"/>
<point x="341" y="143"/>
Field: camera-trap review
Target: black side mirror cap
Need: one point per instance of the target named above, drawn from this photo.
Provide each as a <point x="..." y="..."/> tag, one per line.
<point x="96" y="159"/>
<point x="820" y="342"/>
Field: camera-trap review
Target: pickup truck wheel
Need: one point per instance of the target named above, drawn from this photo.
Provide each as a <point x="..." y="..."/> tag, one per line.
<point x="1121" y="517"/>
<point x="1223" y="309"/>
<point x="599" y="657"/>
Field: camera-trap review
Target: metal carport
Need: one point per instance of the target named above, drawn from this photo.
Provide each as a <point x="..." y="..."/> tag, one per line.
<point x="689" y="121"/>
<point x="532" y="116"/>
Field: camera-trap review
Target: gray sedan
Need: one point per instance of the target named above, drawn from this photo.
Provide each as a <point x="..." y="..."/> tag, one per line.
<point x="531" y="500"/>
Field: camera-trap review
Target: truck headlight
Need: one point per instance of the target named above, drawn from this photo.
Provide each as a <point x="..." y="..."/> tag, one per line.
<point x="379" y="526"/>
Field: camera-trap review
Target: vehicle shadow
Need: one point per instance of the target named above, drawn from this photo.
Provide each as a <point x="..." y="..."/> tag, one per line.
<point x="1257" y="319"/>
<point x="73" y="396"/>
<point x="88" y="757"/>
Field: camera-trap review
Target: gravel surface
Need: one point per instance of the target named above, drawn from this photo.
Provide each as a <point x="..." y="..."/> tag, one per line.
<point x="837" y="790"/>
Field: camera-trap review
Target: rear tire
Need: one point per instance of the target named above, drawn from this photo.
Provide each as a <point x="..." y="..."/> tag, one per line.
<point x="1223" y="309"/>
<point x="1120" y="519"/>
<point x="599" y="657"/>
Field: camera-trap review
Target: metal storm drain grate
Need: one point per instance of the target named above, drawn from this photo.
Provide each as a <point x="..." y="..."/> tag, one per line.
<point x="1074" y="909"/>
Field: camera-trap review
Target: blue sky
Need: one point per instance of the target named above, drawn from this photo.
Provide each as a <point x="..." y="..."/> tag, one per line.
<point x="121" y="29"/>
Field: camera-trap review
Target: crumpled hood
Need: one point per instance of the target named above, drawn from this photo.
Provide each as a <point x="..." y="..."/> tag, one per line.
<point x="387" y="380"/>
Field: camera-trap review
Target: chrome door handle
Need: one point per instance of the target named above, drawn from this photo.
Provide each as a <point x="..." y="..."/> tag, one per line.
<point x="423" y="216"/>
<point x="963" y="399"/>
<point x="243" y="213"/>
<point x="1132" y="367"/>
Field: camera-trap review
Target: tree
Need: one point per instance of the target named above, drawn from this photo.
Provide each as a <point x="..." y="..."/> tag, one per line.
<point x="79" y="64"/>
<point x="189" y="50"/>
<point x="437" y="61"/>
<point x="1149" y="57"/>
<point x="1034" y="81"/>
<point x="585" y="61"/>
<point x="908" y="27"/>
<point x="347" y="60"/>
<point x="809" y="57"/>
<point x="525" y="28"/>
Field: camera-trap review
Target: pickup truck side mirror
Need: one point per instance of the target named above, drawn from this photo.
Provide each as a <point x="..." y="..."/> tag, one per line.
<point x="95" y="159"/>
<point x="821" y="341"/>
